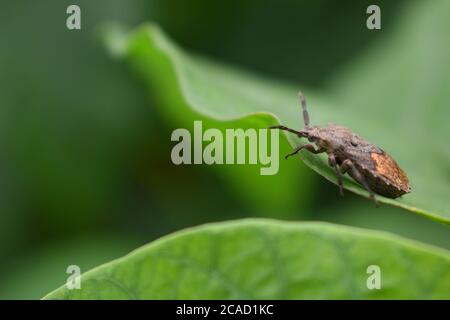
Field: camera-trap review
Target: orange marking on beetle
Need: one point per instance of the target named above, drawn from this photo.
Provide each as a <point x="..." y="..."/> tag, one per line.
<point x="388" y="168"/>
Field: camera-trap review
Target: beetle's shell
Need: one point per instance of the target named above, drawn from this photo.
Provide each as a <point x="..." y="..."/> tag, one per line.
<point x="380" y="170"/>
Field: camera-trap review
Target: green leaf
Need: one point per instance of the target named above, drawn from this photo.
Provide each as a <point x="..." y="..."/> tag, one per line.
<point x="191" y="84"/>
<point x="268" y="259"/>
<point x="290" y="192"/>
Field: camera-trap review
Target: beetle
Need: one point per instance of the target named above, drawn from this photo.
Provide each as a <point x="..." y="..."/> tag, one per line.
<point x="347" y="152"/>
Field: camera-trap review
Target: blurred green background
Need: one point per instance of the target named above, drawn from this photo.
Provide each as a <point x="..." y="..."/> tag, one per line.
<point x="85" y="170"/>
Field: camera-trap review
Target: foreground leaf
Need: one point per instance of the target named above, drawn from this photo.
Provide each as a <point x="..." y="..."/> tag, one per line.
<point x="224" y="93"/>
<point x="266" y="259"/>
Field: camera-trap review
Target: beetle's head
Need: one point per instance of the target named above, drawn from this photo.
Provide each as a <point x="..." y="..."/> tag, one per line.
<point x="311" y="133"/>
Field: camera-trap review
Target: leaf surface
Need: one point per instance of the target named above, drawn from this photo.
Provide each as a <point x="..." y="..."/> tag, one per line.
<point x="268" y="259"/>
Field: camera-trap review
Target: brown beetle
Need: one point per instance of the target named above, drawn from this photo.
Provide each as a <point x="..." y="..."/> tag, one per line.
<point x="366" y="163"/>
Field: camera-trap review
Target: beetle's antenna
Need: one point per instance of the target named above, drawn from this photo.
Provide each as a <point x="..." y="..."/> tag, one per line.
<point x="305" y="112"/>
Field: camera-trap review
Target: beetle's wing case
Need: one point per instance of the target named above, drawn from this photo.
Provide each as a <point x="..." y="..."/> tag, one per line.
<point x="381" y="172"/>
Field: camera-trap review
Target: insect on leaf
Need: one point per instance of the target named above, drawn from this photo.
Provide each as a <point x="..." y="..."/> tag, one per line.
<point x="225" y="93"/>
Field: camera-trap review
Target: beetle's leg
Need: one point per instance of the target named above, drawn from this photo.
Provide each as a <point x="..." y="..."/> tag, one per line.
<point x="332" y="162"/>
<point x="298" y="133"/>
<point x="308" y="147"/>
<point x="348" y="165"/>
